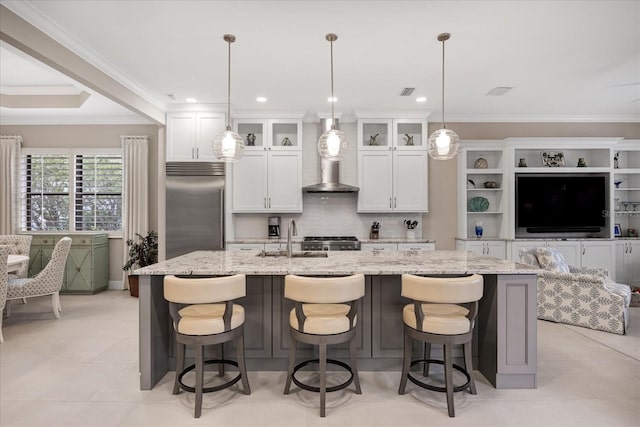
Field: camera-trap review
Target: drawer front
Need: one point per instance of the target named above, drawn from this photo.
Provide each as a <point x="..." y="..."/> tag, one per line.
<point x="416" y="246"/>
<point x="44" y="241"/>
<point x="388" y="247"/>
<point x="245" y="246"/>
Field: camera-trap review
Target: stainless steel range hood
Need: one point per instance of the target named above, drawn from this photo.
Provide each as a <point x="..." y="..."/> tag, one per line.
<point x="329" y="174"/>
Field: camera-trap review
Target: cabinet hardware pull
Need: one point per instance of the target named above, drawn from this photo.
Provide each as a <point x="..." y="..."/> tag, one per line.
<point x="390" y="203"/>
<point x="197" y="153"/>
<point x="584" y="250"/>
<point x="77" y="268"/>
<point x="630" y="248"/>
<point x="265" y="202"/>
<point x="395" y="202"/>
<point x="192" y="153"/>
<point x="269" y="202"/>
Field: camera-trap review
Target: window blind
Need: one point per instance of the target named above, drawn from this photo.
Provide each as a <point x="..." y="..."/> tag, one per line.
<point x="98" y="195"/>
<point x="45" y="192"/>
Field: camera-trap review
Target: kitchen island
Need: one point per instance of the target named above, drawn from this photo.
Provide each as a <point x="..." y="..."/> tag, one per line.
<point x="505" y="347"/>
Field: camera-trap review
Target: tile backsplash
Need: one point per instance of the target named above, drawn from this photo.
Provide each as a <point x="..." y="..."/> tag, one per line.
<point x="328" y="215"/>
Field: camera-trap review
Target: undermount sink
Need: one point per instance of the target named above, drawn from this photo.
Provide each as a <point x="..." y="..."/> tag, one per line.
<point x="295" y="254"/>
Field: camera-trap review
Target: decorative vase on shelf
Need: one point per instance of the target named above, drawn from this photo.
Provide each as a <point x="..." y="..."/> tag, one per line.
<point x="411" y="233"/>
<point x="582" y="163"/>
<point x="251" y="139"/>
<point x="522" y="163"/>
<point x="480" y="163"/>
<point x="479" y="229"/>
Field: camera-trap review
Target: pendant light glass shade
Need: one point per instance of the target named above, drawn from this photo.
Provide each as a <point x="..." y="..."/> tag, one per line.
<point x="332" y="144"/>
<point x="443" y="143"/>
<point x="228" y="146"/>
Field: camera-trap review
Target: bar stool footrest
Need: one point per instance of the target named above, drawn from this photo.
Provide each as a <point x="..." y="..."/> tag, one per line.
<point x="317" y="389"/>
<point x="213" y="388"/>
<point x="434" y="387"/>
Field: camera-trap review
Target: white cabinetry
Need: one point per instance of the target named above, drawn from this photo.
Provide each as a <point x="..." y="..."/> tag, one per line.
<point x="481" y="179"/>
<point x="392" y="165"/>
<point x="492" y="248"/>
<point x="626" y="194"/>
<point x="190" y="135"/>
<point x="628" y="262"/>
<point x="577" y="253"/>
<point x="393" y="247"/>
<point x="268" y="178"/>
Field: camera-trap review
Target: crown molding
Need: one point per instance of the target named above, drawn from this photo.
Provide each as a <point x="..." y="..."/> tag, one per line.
<point x="32" y="15"/>
<point x="75" y="120"/>
<point x="538" y="119"/>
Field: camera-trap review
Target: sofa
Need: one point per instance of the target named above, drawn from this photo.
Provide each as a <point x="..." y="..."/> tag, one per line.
<point x="585" y="297"/>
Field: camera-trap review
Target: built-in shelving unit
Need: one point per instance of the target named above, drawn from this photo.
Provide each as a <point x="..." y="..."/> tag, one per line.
<point x="626" y="194"/>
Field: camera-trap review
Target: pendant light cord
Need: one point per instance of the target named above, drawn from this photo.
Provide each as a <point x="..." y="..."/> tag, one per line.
<point x="333" y="100"/>
<point x="229" y="86"/>
<point x="443" y="126"/>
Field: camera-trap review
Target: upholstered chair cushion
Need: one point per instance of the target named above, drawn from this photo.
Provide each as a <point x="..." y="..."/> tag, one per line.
<point x="206" y="319"/>
<point x="443" y="319"/>
<point x="453" y="290"/>
<point x="324" y="290"/>
<point x="4" y="254"/>
<point x="551" y="259"/>
<point x="323" y="319"/>
<point x="528" y="256"/>
<point x="204" y="290"/>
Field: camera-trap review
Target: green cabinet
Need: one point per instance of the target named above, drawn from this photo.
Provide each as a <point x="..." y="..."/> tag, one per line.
<point x="87" y="268"/>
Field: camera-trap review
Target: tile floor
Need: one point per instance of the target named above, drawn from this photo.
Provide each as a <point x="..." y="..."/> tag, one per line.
<point x="81" y="370"/>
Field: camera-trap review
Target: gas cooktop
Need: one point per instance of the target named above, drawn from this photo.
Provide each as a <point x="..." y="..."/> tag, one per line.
<point x="330" y="243"/>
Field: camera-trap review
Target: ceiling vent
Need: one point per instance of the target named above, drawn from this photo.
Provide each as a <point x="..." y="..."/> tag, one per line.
<point x="499" y="91"/>
<point x="407" y="91"/>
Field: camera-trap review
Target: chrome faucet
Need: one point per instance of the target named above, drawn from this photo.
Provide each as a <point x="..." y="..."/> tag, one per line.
<point x="291" y="230"/>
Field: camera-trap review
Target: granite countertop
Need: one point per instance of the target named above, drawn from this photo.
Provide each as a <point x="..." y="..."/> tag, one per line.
<point x="337" y="263"/>
<point x="299" y="240"/>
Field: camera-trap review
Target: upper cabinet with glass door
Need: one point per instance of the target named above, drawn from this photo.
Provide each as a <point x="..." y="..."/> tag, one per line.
<point x="269" y="134"/>
<point x="392" y="134"/>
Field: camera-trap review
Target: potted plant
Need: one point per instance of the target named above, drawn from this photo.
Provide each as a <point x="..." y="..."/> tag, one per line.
<point x="141" y="253"/>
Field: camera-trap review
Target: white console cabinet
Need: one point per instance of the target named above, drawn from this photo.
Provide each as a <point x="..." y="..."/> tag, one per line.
<point x="578" y="253"/>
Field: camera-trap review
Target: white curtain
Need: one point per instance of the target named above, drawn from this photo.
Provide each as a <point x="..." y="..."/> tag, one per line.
<point x="135" y="206"/>
<point x="9" y="179"/>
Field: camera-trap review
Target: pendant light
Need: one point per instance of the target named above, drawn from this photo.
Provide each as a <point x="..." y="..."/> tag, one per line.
<point x="332" y="144"/>
<point x="228" y="145"/>
<point x="443" y="143"/>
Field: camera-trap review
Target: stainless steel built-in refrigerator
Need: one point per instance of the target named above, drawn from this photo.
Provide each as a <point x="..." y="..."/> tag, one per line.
<point x="194" y="207"/>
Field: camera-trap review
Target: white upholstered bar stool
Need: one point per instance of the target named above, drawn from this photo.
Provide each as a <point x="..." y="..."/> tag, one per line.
<point x="204" y="314"/>
<point x="325" y="313"/>
<point x="443" y="311"/>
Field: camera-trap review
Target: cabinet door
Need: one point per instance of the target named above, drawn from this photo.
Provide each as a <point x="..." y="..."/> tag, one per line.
<point x="410" y="134"/>
<point x="387" y="247"/>
<point x="632" y="263"/>
<point x="517" y="244"/>
<point x="285" y="181"/>
<point x="410" y="186"/>
<point x="416" y="247"/>
<point x="375" y="181"/>
<point x="181" y="136"/>
<point x="245" y="246"/>
<point x="598" y="255"/>
<point x="476" y="247"/>
<point x="375" y="134"/>
<point x="208" y="125"/>
<point x="621" y="249"/>
<point x="570" y="251"/>
<point x="496" y="249"/>
<point x="250" y="183"/>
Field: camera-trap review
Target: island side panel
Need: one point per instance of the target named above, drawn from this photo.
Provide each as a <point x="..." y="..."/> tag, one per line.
<point x="508" y="331"/>
<point x="154" y="331"/>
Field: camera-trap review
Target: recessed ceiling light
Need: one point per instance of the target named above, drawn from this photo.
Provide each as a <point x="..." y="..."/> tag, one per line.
<point x="334" y="99"/>
<point x="421" y="99"/>
<point x="191" y="100"/>
<point x="261" y="99"/>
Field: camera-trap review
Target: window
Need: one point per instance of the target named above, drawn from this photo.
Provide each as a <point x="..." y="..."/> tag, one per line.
<point x="71" y="191"/>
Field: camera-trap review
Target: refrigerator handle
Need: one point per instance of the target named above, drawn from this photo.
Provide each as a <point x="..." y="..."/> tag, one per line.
<point x="222" y="237"/>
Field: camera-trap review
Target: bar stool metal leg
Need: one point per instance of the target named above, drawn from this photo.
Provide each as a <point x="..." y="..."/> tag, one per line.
<point x="199" y="378"/>
<point x="323" y="377"/>
<point x="448" y="375"/>
<point x="180" y="349"/>
<point x="427" y="356"/>
<point x="468" y="365"/>
<point x="220" y="351"/>
<point x="406" y="363"/>
<point x="354" y="366"/>
<point x="241" y="364"/>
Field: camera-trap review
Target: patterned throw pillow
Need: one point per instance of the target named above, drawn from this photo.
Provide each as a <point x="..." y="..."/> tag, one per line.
<point x="552" y="259"/>
<point x="528" y="256"/>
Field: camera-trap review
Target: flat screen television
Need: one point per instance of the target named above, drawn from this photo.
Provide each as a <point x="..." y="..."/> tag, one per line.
<point x="561" y="204"/>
